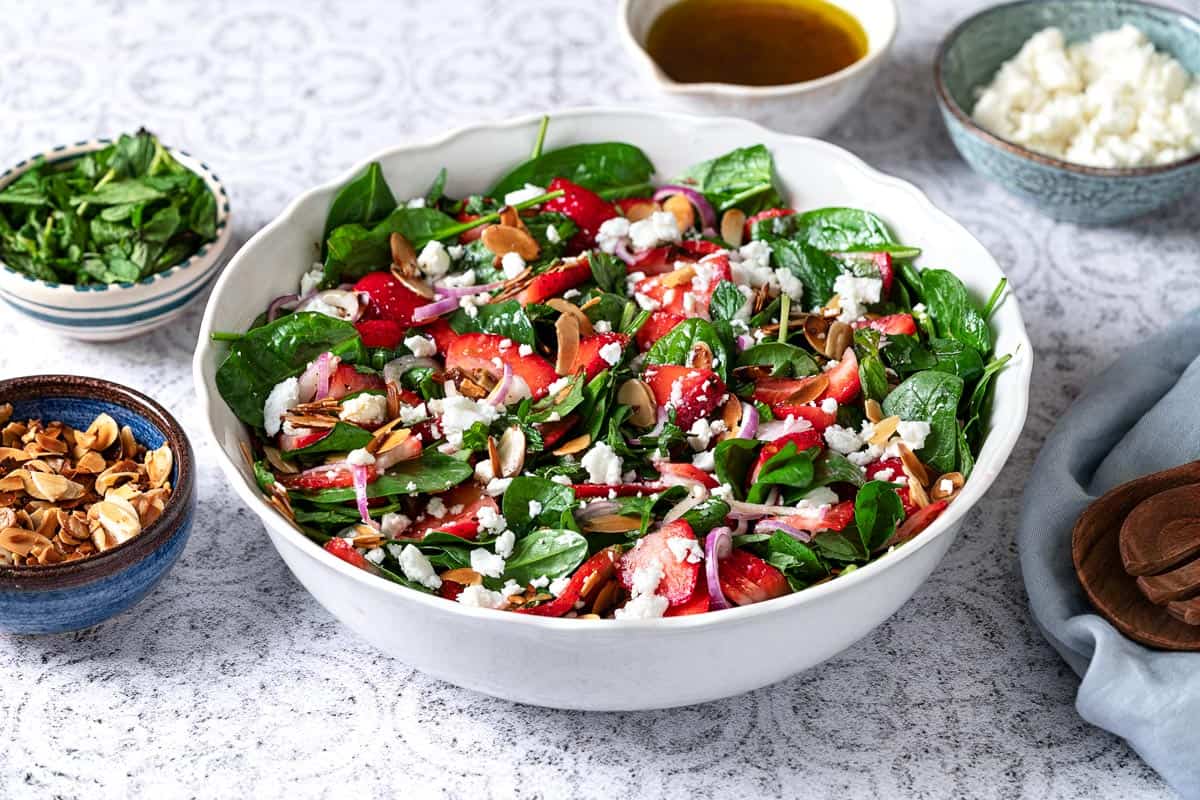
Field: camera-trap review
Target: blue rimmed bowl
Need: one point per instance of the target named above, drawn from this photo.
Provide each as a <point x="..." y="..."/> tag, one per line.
<point x="974" y="51"/>
<point x="79" y="594"/>
<point x="122" y="310"/>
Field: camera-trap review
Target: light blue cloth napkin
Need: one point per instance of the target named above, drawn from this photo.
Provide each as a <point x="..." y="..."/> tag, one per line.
<point x="1142" y="415"/>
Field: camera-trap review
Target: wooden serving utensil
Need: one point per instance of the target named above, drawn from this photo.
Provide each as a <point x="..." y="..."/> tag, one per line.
<point x="1156" y="540"/>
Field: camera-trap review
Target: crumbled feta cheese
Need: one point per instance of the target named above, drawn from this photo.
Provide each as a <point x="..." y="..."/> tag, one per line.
<point x="364" y="409"/>
<point x="392" y="524"/>
<point x="334" y="303"/>
<point x="456" y="251"/>
<point x="284" y="396"/>
<point x="311" y="280"/>
<point x="470" y="303"/>
<point x="646" y="579"/>
<point x="510" y="588"/>
<point x="525" y="350"/>
<point x="487" y="563"/>
<point x="885" y="475"/>
<point x="854" y="294"/>
<point x="462" y="279"/>
<point x="821" y="496"/>
<point x="603" y="465"/>
<point x="512" y="265"/>
<point x="552" y="235"/>
<point x="644" y="606"/>
<point x="842" y="440"/>
<point x="558" y="385"/>
<point x="946" y="486"/>
<point x="540" y="582"/>
<point x="790" y="285"/>
<point x="913" y="433"/>
<point x="505" y="543"/>
<point x="646" y="302"/>
<point x="685" y="549"/>
<point x="360" y="458"/>
<point x="434" y="260"/>
<point x="829" y="405"/>
<point x="416" y="567"/>
<point x="495" y="486"/>
<point x="421" y="346"/>
<point x="611" y="233"/>
<point x="701" y="434"/>
<point x="411" y="415"/>
<point x="460" y="413"/>
<point x="374" y="555"/>
<point x="561" y="480"/>
<point x="527" y="192"/>
<point x="659" y="228"/>
<point x="706" y="461"/>
<point x="416" y="202"/>
<point x="559" y="585"/>
<point x="751" y="265"/>
<point x="479" y="596"/>
<point x="535" y="508"/>
<point x="436" y="507"/>
<point x="611" y="353"/>
<point x="491" y="520"/>
<point x="602" y="326"/>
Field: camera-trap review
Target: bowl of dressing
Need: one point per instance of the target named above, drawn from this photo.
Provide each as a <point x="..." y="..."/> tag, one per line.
<point x="793" y="65"/>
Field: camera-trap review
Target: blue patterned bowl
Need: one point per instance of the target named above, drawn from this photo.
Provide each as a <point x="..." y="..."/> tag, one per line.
<point x="973" y="52"/>
<point x="79" y="594"/>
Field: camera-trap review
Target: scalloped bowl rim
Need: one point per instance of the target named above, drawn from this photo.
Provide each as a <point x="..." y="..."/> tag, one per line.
<point x="1003" y="436"/>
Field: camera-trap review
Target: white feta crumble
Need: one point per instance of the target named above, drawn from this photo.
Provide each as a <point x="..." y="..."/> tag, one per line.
<point x="535" y="508"/>
<point x="470" y="303"/>
<point x="818" y="498"/>
<point x="659" y="228"/>
<point x="705" y="461"/>
<point x="505" y="543"/>
<point x="364" y="409"/>
<point x="284" y="396"/>
<point x="552" y="235"/>
<point x="311" y="280"/>
<point x="392" y="525"/>
<point x="644" y="603"/>
<point x="460" y="413"/>
<point x="416" y="202"/>
<point x="479" y="596"/>
<point x="334" y="303"/>
<point x="374" y="555"/>
<point x="434" y="260"/>
<point x="496" y="486"/>
<point x="491" y="520"/>
<point x="685" y="549"/>
<point x="456" y="251"/>
<point x="602" y="326"/>
<point x="512" y="265"/>
<point x="421" y="346"/>
<point x="559" y="585"/>
<point x="946" y="486"/>
<point x="701" y="434"/>
<point x="558" y="385"/>
<point x="540" y="582"/>
<point x="602" y="464"/>
<point x="790" y="285"/>
<point x="526" y="192"/>
<point x="854" y="294"/>
<point x="611" y="353"/>
<point x="646" y="579"/>
<point x="416" y="567"/>
<point x="611" y="233"/>
<point x="525" y="350"/>
<point x="561" y="480"/>
<point x="829" y="405"/>
<point x="459" y="281"/>
<point x="360" y="458"/>
<point x="436" y="507"/>
<point x="510" y="588"/>
<point x="913" y="433"/>
<point x="487" y="563"/>
<point x="411" y="415"/>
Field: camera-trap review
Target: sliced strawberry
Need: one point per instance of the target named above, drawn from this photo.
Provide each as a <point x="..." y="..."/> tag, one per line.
<point x="887" y="272"/>
<point x="775" y="391"/>
<point x="594" y="572"/>
<point x="472" y="351"/>
<point x="295" y="441"/>
<point x="906" y="500"/>
<point x="590" y="359"/>
<point x="685" y="472"/>
<point x="347" y="380"/>
<point x="654" y="261"/>
<point x="556" y="281"/>
<point x="334" y="476"/>
<point x="770" y="213"/>
<point x="652" y="551"/>
<point x="450" y="589"/>
<point x="693" y="393"/>
<point x="892" y="465"/>
<point x="689" y="298"/>
<point x="465" y="524"/>
<point x="586" y="209"/>
<point x="442" y="334"/>
<point x="657" y="326"/>
<point x="832" y="518"/>
<point x="819" y="419"/>
<point x="553" y="432"/>
<point x="698" y="603"/>
<point x="409" y="398"/>
<point x="918" y="522"/>
<point x="380" y="333"/>
<point x="589" y="490"/>
<point x="893" y="324"/>
<point x="802" y="439"/>
<point x="346" y="552"/>
<point x="388" y="298"/>
<point x="627" y="204"/>
<point x="700" y="247"/>
<point x="471" y="234"/>
<point x="844" y="383"/>
<point x="746" y="579"/>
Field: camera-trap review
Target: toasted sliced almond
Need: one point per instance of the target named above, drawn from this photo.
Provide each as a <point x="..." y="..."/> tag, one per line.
<point x="947" y="486"/>
<point x="678" y="277"/>
<point x="812" y="389"/>
<point x="129" y="445"/>
<point x="635" y="212"/>
<point x="404" y="255"/>
<point x="733" y="226"/>
<point x="567" y="330"/>
<point x="884" y="430"/>
<point x="6" y="412"/>
<point x="511" y="217"/>
<point x="510" y="452"/>
<point x="277" y="461"/>
<point x="48" y="444"/>
<point x="158" y="465"/>
<point x="913" y="467"/>
<point x="20" y="541"/>
<point x="567" y="307"/>
<point x="464" y="575"/>
<point x="731" y="412"/>
<point x="873" y="410"/>
<point x="611" y="523"/>
<point x="606" y="597"/>
<point x="578" y="444"/>
<point x="14" y="481"/>
<point x="701" y="356"/>
<point x="13" y="454"/>
<point x="103" y="432"/>
<point x="681" y="208"/>
<point x="637" y="395"/>
<point x="90" y="463"/>
<point x="417" y="286"/>
<point x="47" y="486"/>
<point x="493" y="449"/>
<point x="503" y="239"/>
<point x="114" y="476"/>
<point x="117" y="517"/>
<point x="838" y="339"/>
<point x="816" y="331"/>
<point x="916" y="492"/>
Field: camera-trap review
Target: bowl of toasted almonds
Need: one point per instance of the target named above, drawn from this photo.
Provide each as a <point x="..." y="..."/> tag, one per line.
<point x="97" y="497"/>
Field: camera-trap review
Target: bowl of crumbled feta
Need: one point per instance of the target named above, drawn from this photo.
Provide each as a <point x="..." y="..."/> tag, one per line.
<point x="1088" y="109"/>
<point x="574" y="519"/>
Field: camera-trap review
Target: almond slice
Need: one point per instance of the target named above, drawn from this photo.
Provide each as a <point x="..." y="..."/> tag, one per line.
<point x="567" y="329"/>
<point x="504" y="239"/>
<point x="511" y="452"/>
<point x="947" y="486"/>
<point x="838" y="339"/>
<point x="637" y="395"/>
<point x="884" y="430"/>
<point x="678" y="277"/>
<point x="464" y="575"/>
<point x="579" y="443"/>
<point x="681" y="208"/>
<point x="612" y="523"/>
<point x="566" y="307"/>
<point x="813" y="388"/>
<point x="733" y="226"/>
<point x="635" y="212"/>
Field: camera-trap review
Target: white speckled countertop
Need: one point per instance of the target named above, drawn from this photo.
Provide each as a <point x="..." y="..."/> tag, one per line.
<point x="230" y="681"/>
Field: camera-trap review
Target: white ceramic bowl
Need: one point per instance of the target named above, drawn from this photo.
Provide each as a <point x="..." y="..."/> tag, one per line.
<point x="117" y="311"/>
<point x="809" y="108"/>
<point x="608" y="664"/>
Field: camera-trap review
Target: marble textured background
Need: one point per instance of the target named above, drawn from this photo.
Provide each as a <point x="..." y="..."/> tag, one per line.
<point x="230" y="681"/>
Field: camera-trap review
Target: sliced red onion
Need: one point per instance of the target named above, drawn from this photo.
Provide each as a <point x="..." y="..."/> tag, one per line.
<point x="360" y="474"/>
<point x="314" y="382"/>
<point x="623" y="252"/>
<point x="500" y="393"/>
<point x="768" y="525"/>
<point x="749" y="426"/>
<point x="435" y="309"/>
<point x="686" y="504"/>
<point x="717" y="545"/>
<point x="770" y="431"/>
<point x="708" y="217"/>
<point x="281" y="303"/>
<point x="739" y="509"/>
<point x="745" y="341"/>
<point x="408" y="449"/>
<point x="397" y="367"/>
<point x="598" y="508"/>
<point x="658" y="426"/>
<point x="463" y="291"/>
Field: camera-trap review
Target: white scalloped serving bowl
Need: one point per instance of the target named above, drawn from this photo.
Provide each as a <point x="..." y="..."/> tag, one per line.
<point x="608" y="664"/>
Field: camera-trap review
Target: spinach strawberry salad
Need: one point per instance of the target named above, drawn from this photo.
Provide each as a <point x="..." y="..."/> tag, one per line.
<point x="579" y="394"/>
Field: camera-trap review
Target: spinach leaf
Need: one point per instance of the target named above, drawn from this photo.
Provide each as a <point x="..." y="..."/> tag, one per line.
<point x="817" y="270"/>
<point x="437" y="189"/>
<point x="550" y="408"/>
<point x="844" y="546"/>
<point x="706" y="516"/>
<point x="833" y="467"/>
<point x="905" y="354"/>
<point x="364" y="201"/>
<point x="503" y="319"/>
<point x="743" y="178"/>
<point x="789" y="467"/>
<point x="785" y="360"/>
<point x="615" y="169"/>
<point x="733" y="459"/>
<point x="877" y="511"/>
<point x="551" y="500"/>
<point x="951" y="355"/>
<point x="931" y="397"/>
<point x="676" y="346"/>
<point x="429" y="473"/>
<point x="726" y="302"/>
<point x="953" y="311"/>
<point x="796" y="560"/>
<point x="842" y="229"/>
<point x="980" y="401"/>
<point x="608" y="271"/>
<point x="343" y="438"/>
<point x="265" y="356"/>
<point x="548" y="552"/>
<point x="353" y="250"/>
<point x="871" y="372"/>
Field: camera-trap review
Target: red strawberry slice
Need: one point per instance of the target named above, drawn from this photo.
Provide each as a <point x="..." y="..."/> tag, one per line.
<point x="586" y="209"/>
<point x="465" y="523"/>
<point x="802" y="439"/>
<point x="654" y="261"/>
<point x="472" y="351"/>
<point x="918" y="521"/>
<point x="590" y="359"/>
<point x="776" y="391"/>
<point x="652" y="551"/>
<point x="556" y="281"/>
<point x="380" y="333"/>
<point x="676" y="473"/>
<point x="334" y="476"/>
<point x="388" y="298"/>
<point x="887" y="272"/>
<point x="347" y="380"/>
<point x="698" y="603"/>
<point x="693" y="393"/>
<point x="700" y="247"/>
<point x="553" y="432"/>
<point x="893" y="324"/>
<point x="746" y="579"/>
<point x="770" y="213"/>
<point x="844" y="383"/>
<point x="295" y="441"/>
<point x="689" y="298"/>
<point x="442" y="334"/>
<point x="589" y="490"/>
<point x="833" y="518"/>
<point x="471" y="234"/>
<point x="906" y="500"/>
<point x="657" y="326"/>
<point x="346" y="552"/>
<point x="815" y="416"/>
<point x="893" y="465"/>
<point x="596" y="571"/>
<point x="450" y="589"/>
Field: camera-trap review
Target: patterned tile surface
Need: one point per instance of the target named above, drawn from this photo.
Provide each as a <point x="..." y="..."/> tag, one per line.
<point x="231" y="681"/>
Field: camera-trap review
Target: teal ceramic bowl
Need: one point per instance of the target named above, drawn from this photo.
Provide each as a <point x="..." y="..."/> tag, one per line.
<point x="974" y="51"/>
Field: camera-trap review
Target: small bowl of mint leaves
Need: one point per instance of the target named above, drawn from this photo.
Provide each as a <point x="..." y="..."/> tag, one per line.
<point x="107" y="239"/>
